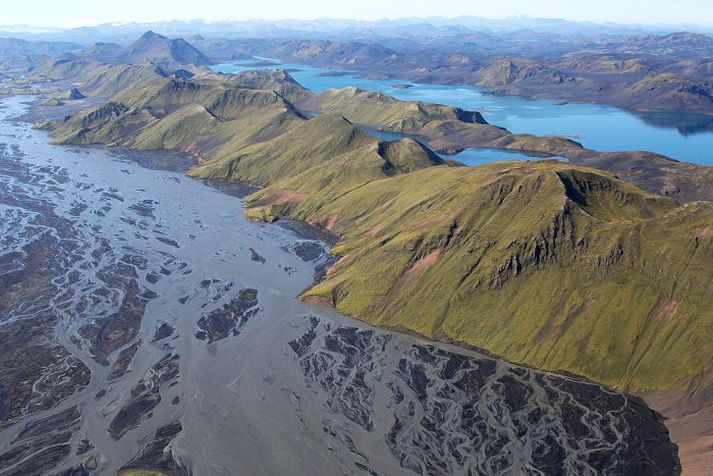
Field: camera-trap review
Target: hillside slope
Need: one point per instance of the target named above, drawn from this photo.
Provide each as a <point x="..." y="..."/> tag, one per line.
<point x="666" y="91"/>
<point x="548" y="264"/>
<point x="210" y="118"/>
<point x="322" y="159"/>
<point x="95" y="78"/>
<point x="445" y="127"/>
<point x="450" y="130"/>
<point x="388" y="113"/>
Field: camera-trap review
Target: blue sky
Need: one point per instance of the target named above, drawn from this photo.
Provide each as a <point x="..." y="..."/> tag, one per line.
<point x="58" y="13"/>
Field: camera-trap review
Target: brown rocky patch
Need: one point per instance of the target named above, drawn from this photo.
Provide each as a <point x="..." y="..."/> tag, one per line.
<point x="330" y="222"/>
<point x="704" y="232"/>
<point x="668" y="310"/>
<point x="418" y="268"/>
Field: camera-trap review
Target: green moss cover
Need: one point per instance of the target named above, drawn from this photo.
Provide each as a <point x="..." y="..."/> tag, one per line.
<point x="547" y="264"/>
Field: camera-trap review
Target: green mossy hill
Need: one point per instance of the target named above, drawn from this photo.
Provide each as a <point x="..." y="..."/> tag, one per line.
<point x="101" y="124"/>
<point x="322" y="153"/>
<point x="117" y="79"/>
<point x="65" y="67"/>
<point x="302" y="194"/>
<point x="95" y="78"/>
<point x="548" y="264"/>
<point x="215" y="116"/>
<point x="201" y="89"/>
<point x="654" y="173"/>
<point x="276" y="80"/>
<point x="447" y="135"/>
<point x="311" y="143"/>
<point x="211" y="119"/>
<point x="444" y="127"/>
<point x="384" y="112"/>
<point x="228" y="100"/>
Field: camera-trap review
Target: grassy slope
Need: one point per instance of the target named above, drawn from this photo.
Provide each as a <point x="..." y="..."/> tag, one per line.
<point x="210" y="118"/>
<point x="548" y="264"/>
<point x="119" y="78"/>
<point x="323" y="182"/>
<point x="311" y="143"/>
<point x="387" y="113"/>
<point x="98" y="79"/>
<point x="323" y="158"/>
<point x="445" y="127"/>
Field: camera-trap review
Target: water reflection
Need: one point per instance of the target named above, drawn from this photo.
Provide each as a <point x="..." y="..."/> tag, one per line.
<point x="686" y="124"/>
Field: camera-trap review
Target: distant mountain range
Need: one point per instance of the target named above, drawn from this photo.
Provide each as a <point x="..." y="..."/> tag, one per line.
<point x="431" y="27"/>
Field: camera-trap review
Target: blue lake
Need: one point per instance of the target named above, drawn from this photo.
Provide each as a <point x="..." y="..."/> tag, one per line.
<point x="685" y="137"/>
<point x="484" y="155"/>
<point x="473" y="156"/>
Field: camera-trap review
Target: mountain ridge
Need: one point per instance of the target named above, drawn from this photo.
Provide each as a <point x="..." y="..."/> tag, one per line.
<point x="537" y="258"/>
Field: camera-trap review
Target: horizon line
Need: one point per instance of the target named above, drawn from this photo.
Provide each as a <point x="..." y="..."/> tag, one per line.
<point x="28" y="28"/>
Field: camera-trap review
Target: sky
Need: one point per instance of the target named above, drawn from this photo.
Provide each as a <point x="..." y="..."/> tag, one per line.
<point x="64" y="14"/>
